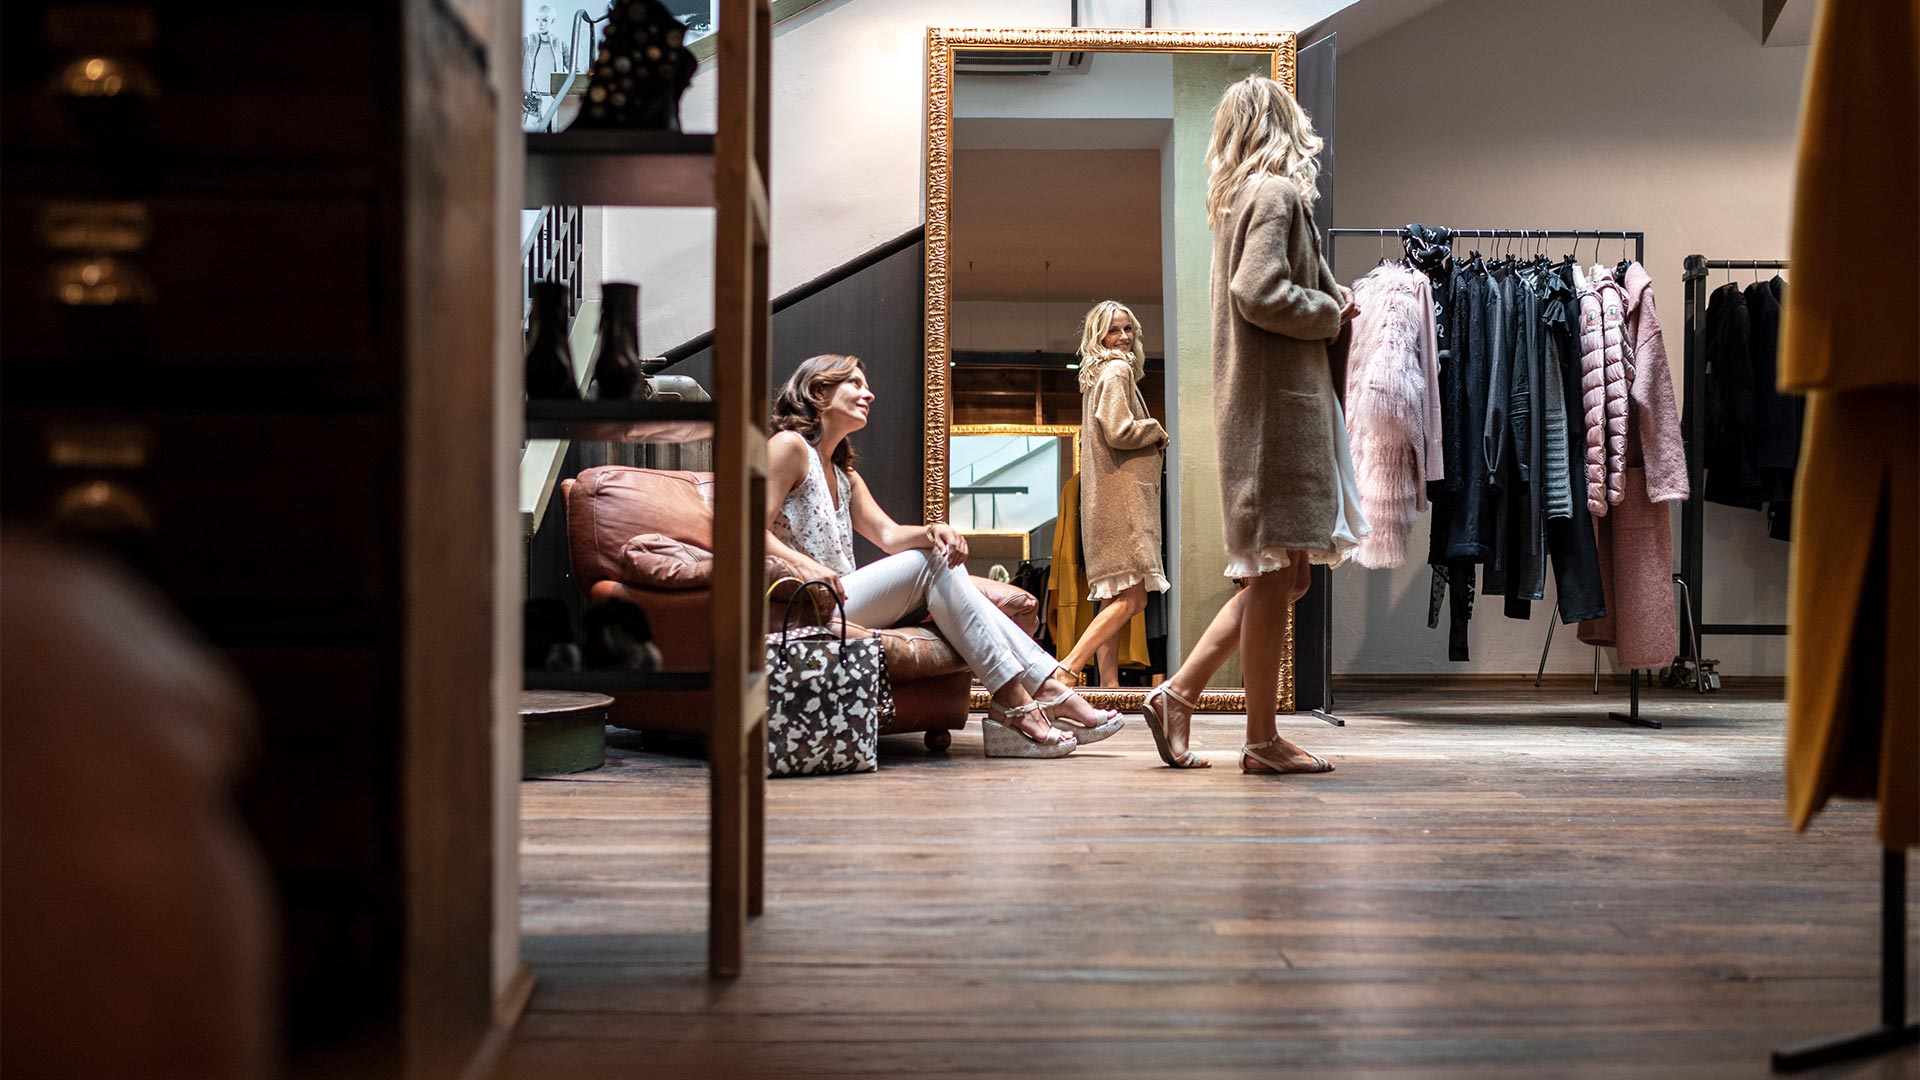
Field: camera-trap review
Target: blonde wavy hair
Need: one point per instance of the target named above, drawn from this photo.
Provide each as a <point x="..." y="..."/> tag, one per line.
<point x="1092" y="352"/>
<point x="1259" y="130"/>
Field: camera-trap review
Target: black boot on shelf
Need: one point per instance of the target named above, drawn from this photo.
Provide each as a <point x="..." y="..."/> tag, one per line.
<point x="641" y="70"/>
<point x="616" y="635"/>
<point x="549" y="360"/>
<point x="616" y="360"/>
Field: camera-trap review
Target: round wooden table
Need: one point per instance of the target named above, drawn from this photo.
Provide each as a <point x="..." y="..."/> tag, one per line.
<point x="562" y="732"/>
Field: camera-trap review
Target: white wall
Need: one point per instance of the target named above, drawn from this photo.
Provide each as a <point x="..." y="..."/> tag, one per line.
<point x="1115" y="86"/>
<point x="849" y="118"/>
<point x="1659" y="115"/>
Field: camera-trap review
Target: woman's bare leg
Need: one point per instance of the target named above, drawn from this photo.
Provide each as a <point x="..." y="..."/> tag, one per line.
<point x="1221" y="638"/>
<point x="1262" y="636"/>
<point x="1100" y="641"/>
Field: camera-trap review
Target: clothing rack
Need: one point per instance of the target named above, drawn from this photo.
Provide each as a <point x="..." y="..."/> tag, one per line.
<point x="1639" y="241"/>
<point x="1693" y="427"/>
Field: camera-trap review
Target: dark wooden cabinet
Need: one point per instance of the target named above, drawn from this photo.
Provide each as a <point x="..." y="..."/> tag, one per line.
<point x="246" y="344"/>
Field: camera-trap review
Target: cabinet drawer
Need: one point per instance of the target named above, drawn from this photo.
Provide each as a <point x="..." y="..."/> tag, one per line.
<point x="323" y="777"/>
<point x="141" y="83"/>
<point x="178" y="284"/>
<point x="255" y="524"/>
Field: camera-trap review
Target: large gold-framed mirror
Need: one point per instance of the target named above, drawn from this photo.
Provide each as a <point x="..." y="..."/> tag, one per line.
<point x="1066" y="167"/>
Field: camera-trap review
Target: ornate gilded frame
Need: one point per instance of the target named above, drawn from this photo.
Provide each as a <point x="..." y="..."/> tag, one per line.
<point x="941" y="43"/>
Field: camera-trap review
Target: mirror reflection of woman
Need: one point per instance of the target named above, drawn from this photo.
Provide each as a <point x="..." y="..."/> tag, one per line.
<point x="811" y="523"/>
<point x="1289" y="498"/>
<point x="1121" y="448"/>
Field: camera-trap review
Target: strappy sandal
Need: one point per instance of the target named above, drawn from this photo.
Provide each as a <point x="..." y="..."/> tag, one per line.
<point x="1252" y="750"/>
<point x="1111" y="723"/>
<point x="1154" y="710"/>
<point x="1069" y="679"/>
<point x="1007" y="739"/>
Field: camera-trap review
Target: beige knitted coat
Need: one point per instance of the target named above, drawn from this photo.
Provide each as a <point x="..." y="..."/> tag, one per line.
<point x="1119" y="484"/>
<point x="1275" y="307"/>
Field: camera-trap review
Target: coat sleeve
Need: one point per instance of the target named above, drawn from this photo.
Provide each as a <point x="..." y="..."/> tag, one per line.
<point x="1263" y="285"/>
<point x="1433" y="455"/>
<point x="1113" y="414"/>
<point x="1655" y="417"/>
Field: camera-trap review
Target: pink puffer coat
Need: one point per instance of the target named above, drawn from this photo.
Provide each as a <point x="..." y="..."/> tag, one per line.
<point x="1605" y="378"/>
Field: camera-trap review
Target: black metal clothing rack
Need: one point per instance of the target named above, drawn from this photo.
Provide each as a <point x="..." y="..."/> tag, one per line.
<point x="1694" y="431"/>
<point x="1894" y="1029"/>
<point x="1639" y="241"/>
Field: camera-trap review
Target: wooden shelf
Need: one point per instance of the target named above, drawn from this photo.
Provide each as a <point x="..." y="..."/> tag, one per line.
<point x="618" y="168"/>
<point x="617" y="682"/>
<point x="621" y="421"/>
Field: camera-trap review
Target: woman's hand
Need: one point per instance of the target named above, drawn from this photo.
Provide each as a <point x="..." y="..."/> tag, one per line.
<point x="813" y="571"/>
<point x="948" y="542"/>
<point x="1348" y="309"/>
<point x="1164" y="440"/>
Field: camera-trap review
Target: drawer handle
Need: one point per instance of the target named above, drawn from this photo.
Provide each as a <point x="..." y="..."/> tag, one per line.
<point x="102" y="506"/>
<point x="99" y="281"/>
<point x="98" y="77"/>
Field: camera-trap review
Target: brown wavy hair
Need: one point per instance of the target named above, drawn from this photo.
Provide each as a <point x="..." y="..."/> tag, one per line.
<point x="797" y="406"/>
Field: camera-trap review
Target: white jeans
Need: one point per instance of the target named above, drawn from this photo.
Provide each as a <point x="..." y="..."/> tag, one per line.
<point x="883" y="593"/>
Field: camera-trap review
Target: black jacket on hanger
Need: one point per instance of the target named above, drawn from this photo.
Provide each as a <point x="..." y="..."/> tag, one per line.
<point x="1526" y="512"/>
<point x="1733" y="475"/>
<point x="1776" y="443"/>
<point x="1497" y="442"/>
<point x="1453" y="545"/>
<point x="1570" y="542"/>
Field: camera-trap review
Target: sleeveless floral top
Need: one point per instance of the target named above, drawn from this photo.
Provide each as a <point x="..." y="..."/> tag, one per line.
<point x="809" y="523"/>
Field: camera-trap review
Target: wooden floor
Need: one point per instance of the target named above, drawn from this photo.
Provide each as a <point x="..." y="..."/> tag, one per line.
<point x="1497" y="882"/>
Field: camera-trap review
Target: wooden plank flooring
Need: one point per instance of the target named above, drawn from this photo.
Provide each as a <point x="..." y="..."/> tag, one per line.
<point x="1497" y="882"/>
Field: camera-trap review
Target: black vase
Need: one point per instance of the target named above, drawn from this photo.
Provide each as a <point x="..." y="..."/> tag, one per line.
<point x="642" y="69"/>
<point x="549" y="361"/>
<point x="616" y="360"/>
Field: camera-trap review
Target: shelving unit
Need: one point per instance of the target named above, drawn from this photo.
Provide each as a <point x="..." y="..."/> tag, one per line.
<point x="621" y="421"/>
<point x="726" y="171"/>
<point x="620" y="168"/>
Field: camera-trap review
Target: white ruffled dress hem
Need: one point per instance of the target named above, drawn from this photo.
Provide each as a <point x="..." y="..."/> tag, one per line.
<point x="1108" y="588"/>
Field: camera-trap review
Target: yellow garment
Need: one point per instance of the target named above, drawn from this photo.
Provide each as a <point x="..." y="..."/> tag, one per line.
<point x="1069" y="612"/>
<point x="1850" y="338"/>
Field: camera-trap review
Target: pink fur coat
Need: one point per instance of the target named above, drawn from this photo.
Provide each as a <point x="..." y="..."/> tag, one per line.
<point x="1393" y="407"/>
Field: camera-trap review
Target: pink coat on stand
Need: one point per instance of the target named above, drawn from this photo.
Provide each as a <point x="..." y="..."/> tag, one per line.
<point x="1636" y="537"/>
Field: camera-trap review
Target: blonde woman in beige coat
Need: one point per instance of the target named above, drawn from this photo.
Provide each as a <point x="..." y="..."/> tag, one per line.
<point x="1285" y="473"/>
<point x="1121" y="446"/>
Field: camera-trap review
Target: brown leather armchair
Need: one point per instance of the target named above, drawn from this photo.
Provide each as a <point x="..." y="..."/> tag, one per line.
<point x="644" y="535"/>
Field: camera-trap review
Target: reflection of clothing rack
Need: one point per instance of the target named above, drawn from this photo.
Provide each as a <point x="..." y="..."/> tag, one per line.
<point x="1694" y="425"/>
<point x="1639" y="241"/>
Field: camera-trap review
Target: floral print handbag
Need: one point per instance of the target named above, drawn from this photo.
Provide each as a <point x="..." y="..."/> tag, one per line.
<point x="827" y="697"/>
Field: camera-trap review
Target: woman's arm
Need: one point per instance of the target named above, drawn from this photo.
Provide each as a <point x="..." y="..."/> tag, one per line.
<point x="1264" y="289"/>
<point x="1113" y="414"/>
<point x="786" y="470"/>
<point x="870" y="521"/>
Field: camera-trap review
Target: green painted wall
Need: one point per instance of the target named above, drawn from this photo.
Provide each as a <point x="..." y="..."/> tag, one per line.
<point x="1200" y="547"/>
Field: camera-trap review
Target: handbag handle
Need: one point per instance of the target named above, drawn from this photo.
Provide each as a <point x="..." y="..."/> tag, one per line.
<point x="790" y="579"/>
<point x="806" y="587"/>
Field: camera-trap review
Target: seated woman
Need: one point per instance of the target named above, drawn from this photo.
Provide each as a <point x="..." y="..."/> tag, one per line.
<point x="812" y="523"/>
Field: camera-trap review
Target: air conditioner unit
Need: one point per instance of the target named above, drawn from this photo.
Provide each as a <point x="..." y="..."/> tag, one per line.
<point x="1020" y="62"/>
